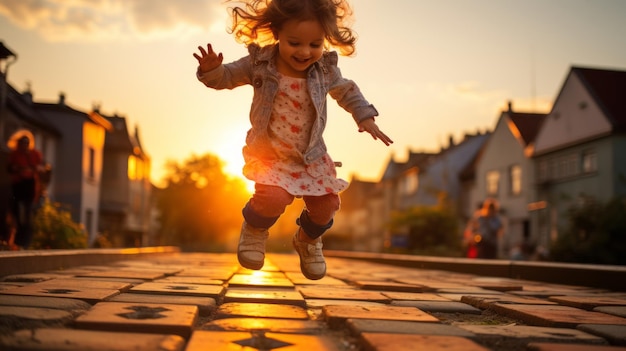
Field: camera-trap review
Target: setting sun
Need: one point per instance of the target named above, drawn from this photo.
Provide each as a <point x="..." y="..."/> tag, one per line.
<point x="229" y="152"/>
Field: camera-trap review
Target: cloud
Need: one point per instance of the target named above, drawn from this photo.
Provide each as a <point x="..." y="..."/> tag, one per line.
<point x="88" y="20"/>
<point x="473" y="91"/>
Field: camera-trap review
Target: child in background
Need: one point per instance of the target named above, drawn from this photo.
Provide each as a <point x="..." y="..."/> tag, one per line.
<point x="292" y="72"/>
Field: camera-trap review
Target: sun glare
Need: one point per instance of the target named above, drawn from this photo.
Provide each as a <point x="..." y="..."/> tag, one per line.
<point x="230" y="153"/>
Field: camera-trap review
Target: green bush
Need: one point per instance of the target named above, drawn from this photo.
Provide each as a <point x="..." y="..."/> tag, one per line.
<point x="596" y="233"/>
<point x="54" y="229"/>
<point x="430" y="230"/>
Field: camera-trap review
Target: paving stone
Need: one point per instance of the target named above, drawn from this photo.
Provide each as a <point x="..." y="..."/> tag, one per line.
<point x="543" y="292"/>
<point x="413" y="296"/>
<point x="556" y="316"/>
<point x="526" y="334"/>
<point x="6" y="286"/>
<point x="80" y="340"/>
<point x="454" y="297"/>
<point x="140" y="318"/>
<point x="110" y="279"/>
<point x="427" y="284"/>
<point x="44" y="302"/>
<point x="467" y="290"/>
<point x="267" y="271"/>
<point x="66" y="283"/>
<point x="387" y="286"/>
<point x="314" y="292"/>
<point x="73" y="271"/>
<point x="299" y="279"/>
<point x="439" y="306"/>
<point x="502" y="286"/>
<point x="121" y="273"/>
<point x="190" y="280"/>
<point x="212" y="273"/>
<point x="88" y="295"/>
<point x="485" y="301"/>
<point x="358" y="326"/>
<point x="405" y="342"/>
<point x="150" y="267"/>
<point x="257" y="295"/>
<point x="571" y="347"/>
<point x="619" y="311"/>
<point x="252" y="280"/>
<point x="82" y="268"/>
<point x="44" y="315"/>
<point x="273" y="325"/>
<point x="214" y="291"/>
<point x="206" y="305"/>
<point x="260" y="310"/>
<point x="31" y="277"/>
<point x="222" y="341"/>
<point x="615" y="334"/>
<point x="337" y="315"/>
<point x="319" y="303"/>
<point x="588" y="302"/>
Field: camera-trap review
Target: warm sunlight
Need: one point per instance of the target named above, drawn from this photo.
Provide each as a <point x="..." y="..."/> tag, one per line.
<point x="229" y="152"/>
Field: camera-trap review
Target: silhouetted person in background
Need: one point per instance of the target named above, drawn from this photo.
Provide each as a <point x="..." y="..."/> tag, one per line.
<point x="24" y="165"/>
<point x="490" y="230"/>
<point x="470" y="234"/>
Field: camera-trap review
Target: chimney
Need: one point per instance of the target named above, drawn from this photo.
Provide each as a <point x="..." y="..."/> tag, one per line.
<point x="62" y="98"/>
<point x="28" y="94"/>
<point x="450" y="141"/>
<point x="510" y="106"/>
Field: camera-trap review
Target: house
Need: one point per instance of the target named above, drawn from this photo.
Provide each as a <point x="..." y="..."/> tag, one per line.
<point x="424" y="179"/>
<point x="439" y="180"/>
<point x="20" y="114"/>
<point x="78" y="168"/>
<point x="125" y="189"/>
<point x="100" y="172"/>
<point x="504" y="171"/>
<point x="361" y="219"/>
<point x="580" y="151"/>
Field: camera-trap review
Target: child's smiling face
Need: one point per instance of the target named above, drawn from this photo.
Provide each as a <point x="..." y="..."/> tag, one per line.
<point x="301" y="43"/>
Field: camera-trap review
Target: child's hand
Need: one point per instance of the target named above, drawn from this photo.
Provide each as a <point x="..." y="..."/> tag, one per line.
<point x="370" y="126"/>
<point x="208" y="60"/>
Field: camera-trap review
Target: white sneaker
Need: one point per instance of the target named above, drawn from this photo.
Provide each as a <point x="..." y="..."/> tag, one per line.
<point x="312" y="262"/>
<point x="251" y="249"/>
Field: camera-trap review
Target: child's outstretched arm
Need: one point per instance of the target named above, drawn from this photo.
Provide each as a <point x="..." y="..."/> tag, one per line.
<point x="208" y="60"/>
<point x="369" y="125"/>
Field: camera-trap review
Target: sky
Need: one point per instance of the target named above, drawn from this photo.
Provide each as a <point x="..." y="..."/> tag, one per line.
<point x="433" y="69"/>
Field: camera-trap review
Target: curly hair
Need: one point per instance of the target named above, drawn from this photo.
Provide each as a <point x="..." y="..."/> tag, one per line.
<point x="258" y="21"/>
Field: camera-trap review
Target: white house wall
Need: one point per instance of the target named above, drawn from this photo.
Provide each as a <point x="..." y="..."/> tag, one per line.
<point x="93" y="138"/>
<point x="502" y="151"/>
<point x="575" y="118"/>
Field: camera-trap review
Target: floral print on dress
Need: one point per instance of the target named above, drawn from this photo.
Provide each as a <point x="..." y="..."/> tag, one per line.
<point x="289" y="128"/>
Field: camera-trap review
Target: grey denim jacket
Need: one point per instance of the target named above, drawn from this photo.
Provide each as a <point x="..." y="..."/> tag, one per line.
<point x="258" y="69"/>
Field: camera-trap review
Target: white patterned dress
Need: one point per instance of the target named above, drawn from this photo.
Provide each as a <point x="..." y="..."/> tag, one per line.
<point x="290" y="130"/>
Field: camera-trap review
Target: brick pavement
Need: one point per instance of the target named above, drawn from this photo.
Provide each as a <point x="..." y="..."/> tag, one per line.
<point x="197" y="301"/>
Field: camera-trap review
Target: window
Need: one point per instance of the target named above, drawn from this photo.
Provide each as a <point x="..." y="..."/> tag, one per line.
<point x="589" y="162"/>
<point x="132" y="167"/>
<point x="572" y="165"/>
<point x="515" y="179"/>
<point x="542" y="169"/>
<point x="493" y="178"/>
<point x="409" y="182"/>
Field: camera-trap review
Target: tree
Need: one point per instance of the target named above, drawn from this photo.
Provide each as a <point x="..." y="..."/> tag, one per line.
<point x="430" y="230"/>
<point x="200" y="207"/>
<point x="596" y="233"/>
